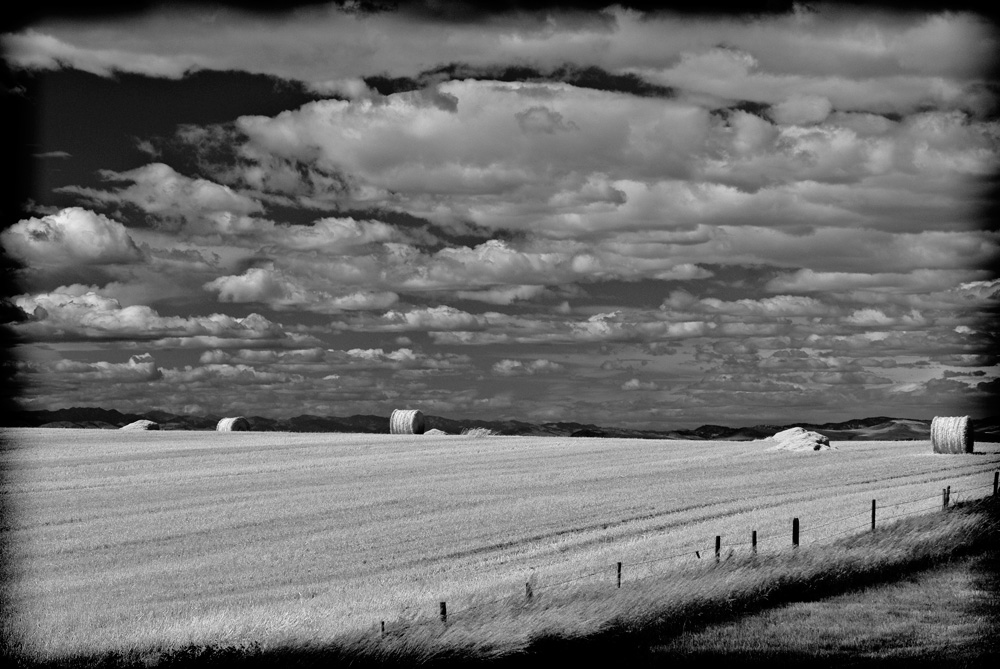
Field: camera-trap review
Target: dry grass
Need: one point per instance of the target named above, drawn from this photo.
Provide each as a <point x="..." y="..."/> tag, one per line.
<point x="479" y="432"/>
<point x="294" y="540"/>
<point x="946" y="615"/>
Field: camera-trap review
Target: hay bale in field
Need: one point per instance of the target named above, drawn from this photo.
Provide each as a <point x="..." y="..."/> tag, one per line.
<point x="233" y="424"/>
<point x="800" y="439"/>
<point x="141" y="425"/>
<point x="952" y="434"/>
<point x="406" y="421"/>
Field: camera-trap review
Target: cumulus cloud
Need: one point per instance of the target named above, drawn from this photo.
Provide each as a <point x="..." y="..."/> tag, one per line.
<point x="159" y="190"/>
<point x="635" y="384"/>
<point x="801" y="109"/>
<point x="541" y="119"/>
<point x="507" y="295"/>
<point x="34" y="50"/>
<point x="73" y="236"/>
<point x="138" y="369"/>
<point x="764" y="217"/>
<point x="508" y="367"/>
<point x="71" y="317"/>
<point x="779" y="306"/>
<point x="277" y="289"/>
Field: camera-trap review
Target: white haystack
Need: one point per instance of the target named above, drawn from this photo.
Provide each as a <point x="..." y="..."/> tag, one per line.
<point x="234" y="424"/>
<point x="141" y="425"/>
<point x="952" y="434"/>
<point x="800" y="439"/>
<point x="406" y="421"/>
<point x="435" y="431"/>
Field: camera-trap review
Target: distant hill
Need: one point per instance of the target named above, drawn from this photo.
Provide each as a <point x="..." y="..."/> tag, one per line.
<point x="875" y="428"/>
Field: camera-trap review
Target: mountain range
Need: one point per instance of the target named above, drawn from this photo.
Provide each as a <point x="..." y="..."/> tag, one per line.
<point x="874" y="428"/>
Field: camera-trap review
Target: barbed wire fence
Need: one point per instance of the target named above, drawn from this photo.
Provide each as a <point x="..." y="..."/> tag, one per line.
<point x="875" y="517"/>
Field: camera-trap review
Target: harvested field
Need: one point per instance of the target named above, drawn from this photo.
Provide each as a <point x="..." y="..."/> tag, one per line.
<point x="126" y="540"/>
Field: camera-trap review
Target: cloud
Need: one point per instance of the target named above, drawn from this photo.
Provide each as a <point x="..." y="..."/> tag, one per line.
<point x="54" y="154"/>
<point x="869" y="317"/>
<point x="71" y="237"/>
<point x="271" y="286"/>
<point x="138" y="369"/>
<point x="39" y="51"/>
<point x="801" y="110"/>
<point x="330" y="46"/>
<point x="157" y="189"/>
<point x="508" y="367"/>
<point x="72" y="317"/>
<point x="541" y="119"/>
<point x="636" y="384"/>
<point x="768" y="308"/>
<point x="507" y="295"/>
<point x="430" y="318"/>
<point x="633" y="164"/>
<point x="806" y="280"/>
<point x="239" y="375"/>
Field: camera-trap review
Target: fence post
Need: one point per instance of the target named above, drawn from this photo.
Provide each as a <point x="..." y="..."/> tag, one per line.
<point x="444" y="613"/>
<point x="795" y="532"/>
<point x="718" y="546"/>
<point x="619" y="574"/>
<point x="873" y="515"/>
<point x="945" y="494"/>
<point x="383" y="629"/>
<point x="753" y="542"/>
<point x="527" y="591"/>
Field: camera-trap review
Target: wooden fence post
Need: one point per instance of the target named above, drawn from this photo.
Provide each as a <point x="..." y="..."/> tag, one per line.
<point x="444" y="613"/>
<point x="873" y="515"/>
<point x="795" y="532"/>
<point x="619" y="574"/>
<point x="383" y="629"/>
<point x="753" y="542"/>
<point x="527" y="591"/>
<point x="718" y="547"/>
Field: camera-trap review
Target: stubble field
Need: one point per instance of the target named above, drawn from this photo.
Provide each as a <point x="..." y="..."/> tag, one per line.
<point x="124" y="540"/>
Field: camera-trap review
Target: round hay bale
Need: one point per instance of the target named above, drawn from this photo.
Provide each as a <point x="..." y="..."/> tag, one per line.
<point x="952" y="434"/>
<point x="141" y="425"/>
<point x="406" y="421"/>
<point x="234" y="424"/>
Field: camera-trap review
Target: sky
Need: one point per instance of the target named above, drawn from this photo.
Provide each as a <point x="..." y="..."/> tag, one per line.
<point x="626" y="215"/>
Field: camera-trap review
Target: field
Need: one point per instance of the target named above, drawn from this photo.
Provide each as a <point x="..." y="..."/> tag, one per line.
<point x="122" y="541"/>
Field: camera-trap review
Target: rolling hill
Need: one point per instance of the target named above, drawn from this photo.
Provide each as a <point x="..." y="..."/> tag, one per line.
<point x="883" y="428"/>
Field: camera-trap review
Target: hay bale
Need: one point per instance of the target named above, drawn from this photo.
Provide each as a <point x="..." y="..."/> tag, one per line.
<point x="406" y="421"/>
<point x="234" y="424"/>
<point x="141" y="425"/>
<point x="800" y="439"/>
<point x="952" y="434"/>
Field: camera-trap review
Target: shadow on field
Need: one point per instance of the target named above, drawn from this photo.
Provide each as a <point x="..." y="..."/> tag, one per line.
<point x="646" y="643"/>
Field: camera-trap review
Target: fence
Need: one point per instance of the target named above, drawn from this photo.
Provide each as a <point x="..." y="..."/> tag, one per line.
<point x="874" y="516"/>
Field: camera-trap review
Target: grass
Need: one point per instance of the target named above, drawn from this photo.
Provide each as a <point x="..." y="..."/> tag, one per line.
<point x="479" y="432"/>
<point x="161" y="544"/>
<point x="646" y="622"/>
<point x="946" y="615"/>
